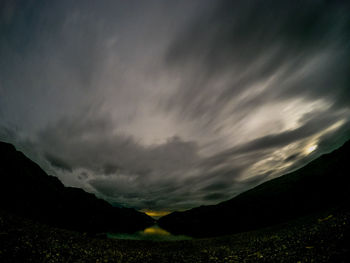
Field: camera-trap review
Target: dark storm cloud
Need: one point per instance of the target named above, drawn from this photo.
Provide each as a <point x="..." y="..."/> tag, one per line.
<point x="291" y="157"/>
<point x="88" y="143"/>
<point x="216" y="196"/>
<point x="57" y="162"/>
<point x="166" y="105"/>
<point x="133" y="193"/>
<point x="216" y="186"/>
<point x="247" y="42"/>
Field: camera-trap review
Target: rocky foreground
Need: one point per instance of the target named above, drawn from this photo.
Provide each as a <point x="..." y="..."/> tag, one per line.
<point x="319" y="238"/>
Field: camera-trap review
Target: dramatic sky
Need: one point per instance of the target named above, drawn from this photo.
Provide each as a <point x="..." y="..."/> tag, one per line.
<point x="168" y="105"/>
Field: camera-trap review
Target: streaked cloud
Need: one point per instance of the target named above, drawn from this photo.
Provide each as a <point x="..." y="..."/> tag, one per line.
<point x="165" y="105"/>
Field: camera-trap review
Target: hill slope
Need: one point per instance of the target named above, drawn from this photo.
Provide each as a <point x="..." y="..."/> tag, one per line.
<point x="28" y="191"/>
<point x="322" y="184"/>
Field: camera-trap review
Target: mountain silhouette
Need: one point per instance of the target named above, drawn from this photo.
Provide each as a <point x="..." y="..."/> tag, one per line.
<point x="26" y="190"/>
<point x="320" y="185"/>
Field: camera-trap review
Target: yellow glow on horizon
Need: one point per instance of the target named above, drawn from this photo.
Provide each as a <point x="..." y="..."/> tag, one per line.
<point x="156" y="213"/>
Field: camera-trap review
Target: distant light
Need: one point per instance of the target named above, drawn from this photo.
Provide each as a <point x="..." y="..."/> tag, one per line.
<point x="310" y="149"/>
<point x="156" y="214"/>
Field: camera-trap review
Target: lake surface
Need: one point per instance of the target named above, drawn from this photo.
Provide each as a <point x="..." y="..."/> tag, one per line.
<point x="154" y="233"/>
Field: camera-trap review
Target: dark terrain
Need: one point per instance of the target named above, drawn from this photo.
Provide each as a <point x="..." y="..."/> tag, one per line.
<point x="26" y="190"/>
<point x="318" y="186"/>
<point x="319" y="238"/>
<point x="43" y="221"/>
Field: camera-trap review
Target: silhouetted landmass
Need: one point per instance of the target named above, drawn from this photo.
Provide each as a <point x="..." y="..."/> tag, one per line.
<point x="28" y="191"/>
<point x="320" y="238"/>
<point x="320" y="185"/>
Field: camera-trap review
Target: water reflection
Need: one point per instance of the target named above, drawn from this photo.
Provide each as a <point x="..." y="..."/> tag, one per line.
<point x="154" y="233"/>
<point x="155" y="230"/>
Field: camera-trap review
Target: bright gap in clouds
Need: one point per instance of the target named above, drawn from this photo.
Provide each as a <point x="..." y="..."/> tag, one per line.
<point x="311" y="148"/>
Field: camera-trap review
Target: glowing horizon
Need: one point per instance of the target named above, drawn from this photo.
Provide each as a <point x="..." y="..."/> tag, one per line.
<point x="156" y="214"/>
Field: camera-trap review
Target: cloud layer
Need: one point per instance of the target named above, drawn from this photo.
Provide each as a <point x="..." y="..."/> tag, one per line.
<point x="166" y="105"/>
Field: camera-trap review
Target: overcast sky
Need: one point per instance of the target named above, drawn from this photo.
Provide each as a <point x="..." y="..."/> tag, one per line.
<point x="168" y="105"/>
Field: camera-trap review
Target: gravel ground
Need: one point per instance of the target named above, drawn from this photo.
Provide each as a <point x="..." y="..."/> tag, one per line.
<point x="321" y="238"/>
